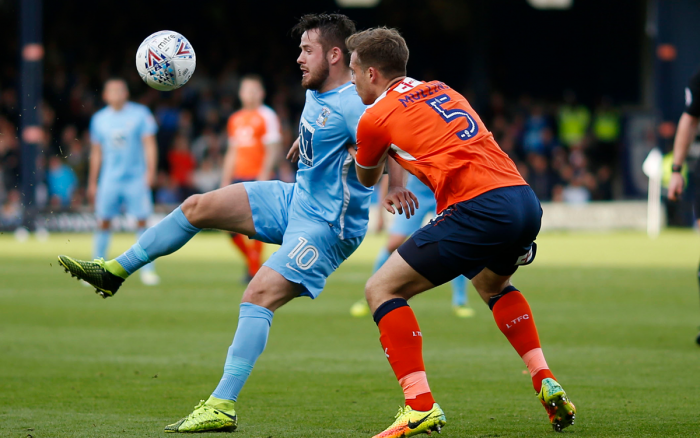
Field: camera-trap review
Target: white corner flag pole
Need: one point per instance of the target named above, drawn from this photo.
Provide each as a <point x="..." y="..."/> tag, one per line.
<point x="652" y="168"/>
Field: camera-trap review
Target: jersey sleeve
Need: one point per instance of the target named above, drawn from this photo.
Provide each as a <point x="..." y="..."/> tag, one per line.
<point x="273" y="133"/>
<point x="372" y="143"/>
<point x="148" y="124"/>
<point x="692" y="96"/>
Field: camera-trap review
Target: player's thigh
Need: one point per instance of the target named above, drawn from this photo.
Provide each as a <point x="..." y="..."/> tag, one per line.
<point x="229" y="208"/>
<point x="395" y="279"/>
<point x="270" y="289"/>
<point x="108" y="200"/>
<point x="138" y="200"/>
<point x="310" y="252"/>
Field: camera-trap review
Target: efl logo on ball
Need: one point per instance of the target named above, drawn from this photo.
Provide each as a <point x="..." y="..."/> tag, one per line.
<point x="165" y="60"/>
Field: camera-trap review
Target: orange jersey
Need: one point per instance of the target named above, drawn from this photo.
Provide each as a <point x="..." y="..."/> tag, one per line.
<point x="251" y="130"/>
<point x="433" y="132"/>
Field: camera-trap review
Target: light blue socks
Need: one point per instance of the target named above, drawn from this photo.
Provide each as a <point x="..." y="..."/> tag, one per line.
<point x="151" y="266"/>
<point x="248" y="344"/>
<point x="459" y="291"/>
<point x="101" y="243"/>
<point x="166" y="237"/>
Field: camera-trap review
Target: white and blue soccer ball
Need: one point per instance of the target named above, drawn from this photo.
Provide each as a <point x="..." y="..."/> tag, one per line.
<point x="165" y="60"/>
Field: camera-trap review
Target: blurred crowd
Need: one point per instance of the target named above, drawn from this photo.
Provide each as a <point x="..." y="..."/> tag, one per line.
<point x="567" y="151"/>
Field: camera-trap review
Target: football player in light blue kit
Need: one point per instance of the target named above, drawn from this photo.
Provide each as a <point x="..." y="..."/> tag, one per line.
<point x="318" y="221"/>
<point x="400" y="230"/>
<point x="122" y="165"/>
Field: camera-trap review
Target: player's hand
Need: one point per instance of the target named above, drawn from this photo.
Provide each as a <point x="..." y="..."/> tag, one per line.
<point x="675" y="186"/>
<point x="401" y="199"/>
<point x="91" y="192"/>
<point x="150" y="180"/>
<point x="293" y="154"/>
<point x="352" y="151"/>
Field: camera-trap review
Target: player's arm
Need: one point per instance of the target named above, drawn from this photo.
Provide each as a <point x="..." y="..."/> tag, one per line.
<point x="94" y="170"/>
<point x="272" y="140"/>
<point x="293" y="154"/>
<point x="150" y="149"/>
<point x="687" y="128"/>
<point x="229" y="162"/>
<point x="272" y="153"/>
<point x="397" y="195"/>
<point x="372" y="150"/>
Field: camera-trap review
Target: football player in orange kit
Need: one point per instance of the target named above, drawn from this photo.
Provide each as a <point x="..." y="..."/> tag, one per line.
<point x="253" y="147"/>
<point x="488" y="219"/>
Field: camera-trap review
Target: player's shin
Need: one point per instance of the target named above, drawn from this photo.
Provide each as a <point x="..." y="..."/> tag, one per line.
<point x="514" y="317"/>
<point x="248" y="344"/>
<point x="166" y="237"/>
<point x="402" y="342"/>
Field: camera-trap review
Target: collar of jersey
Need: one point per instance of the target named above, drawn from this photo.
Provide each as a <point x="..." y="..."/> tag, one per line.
<point x="334" y="90"/>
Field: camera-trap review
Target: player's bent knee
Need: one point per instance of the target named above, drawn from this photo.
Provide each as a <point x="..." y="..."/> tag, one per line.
<point x="192" y="209"/>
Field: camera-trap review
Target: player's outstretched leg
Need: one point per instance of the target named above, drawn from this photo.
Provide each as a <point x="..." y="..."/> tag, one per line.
<point x="514" y="318"/>
<point x="149" y="277"/>
<point x="225" y="209"/>
<point x="167" y="236"/>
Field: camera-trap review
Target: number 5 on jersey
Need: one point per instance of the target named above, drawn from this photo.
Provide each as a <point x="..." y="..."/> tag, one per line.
<point x="449" y="115"/>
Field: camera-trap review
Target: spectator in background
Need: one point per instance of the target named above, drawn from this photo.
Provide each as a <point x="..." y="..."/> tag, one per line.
<point x="540" y="177"/>
<point x="207" y="177"/>
<point x="182" y="165"/>
<point x="533" y="132"/>
<point x="574" y="119"/>
<point x="11" y="211"/>
<point x="606" y="128"/>
<point x="62" y="182"/>
<point x="167" y="192"/>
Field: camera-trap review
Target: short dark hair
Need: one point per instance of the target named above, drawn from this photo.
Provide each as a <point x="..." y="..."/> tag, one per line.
<point x="381" y="48"/>
<point x="333" y="30"/>
<point x="253" y="77"/>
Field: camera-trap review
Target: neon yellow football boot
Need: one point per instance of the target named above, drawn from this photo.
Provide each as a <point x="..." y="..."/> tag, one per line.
<point x="409" y="422"/>
<point x="105" y="277"/>
<point x="561" y="411"/>
<point x="214" y="415"/>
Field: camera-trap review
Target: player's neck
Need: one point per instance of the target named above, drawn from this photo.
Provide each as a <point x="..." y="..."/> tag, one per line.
<point x="391" y="82"/>
<point x="335" y="79"/>
<point x="118" y="107"/>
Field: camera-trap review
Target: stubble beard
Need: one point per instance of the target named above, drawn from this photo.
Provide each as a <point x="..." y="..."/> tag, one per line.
<point x="315" y="81"/>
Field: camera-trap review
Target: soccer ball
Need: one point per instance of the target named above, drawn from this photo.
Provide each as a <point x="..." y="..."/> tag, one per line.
<point x="165" y="60"/>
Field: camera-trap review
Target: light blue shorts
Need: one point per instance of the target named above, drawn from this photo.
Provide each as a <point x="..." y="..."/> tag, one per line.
<point x="310" y="249"/>
<point x="134" y="196"/>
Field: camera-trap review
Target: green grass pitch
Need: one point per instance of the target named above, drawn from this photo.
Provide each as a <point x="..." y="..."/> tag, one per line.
<point x="617" y="315"/>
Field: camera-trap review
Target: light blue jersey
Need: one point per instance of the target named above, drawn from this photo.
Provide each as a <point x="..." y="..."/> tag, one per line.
<point x="327" y="186"/>
<point x="120" y="135"/>
<point x="321" y="219"/>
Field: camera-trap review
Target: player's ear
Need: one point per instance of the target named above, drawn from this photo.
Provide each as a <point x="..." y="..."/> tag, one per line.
<point x="335" y="55"/>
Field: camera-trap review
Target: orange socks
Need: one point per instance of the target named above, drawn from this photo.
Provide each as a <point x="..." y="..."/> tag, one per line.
<point x="402" y="342"/>
<point x="514" y="317"/>
<point x="251" y="252"/>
